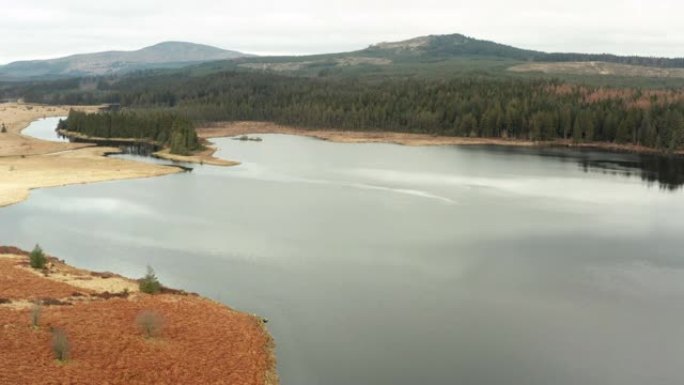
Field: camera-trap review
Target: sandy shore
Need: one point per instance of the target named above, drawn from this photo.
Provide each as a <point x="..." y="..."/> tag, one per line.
<point x="246" y="128"/>
<point x="199" y="342"/>
<point x="16" y="117"/>
<point x="27" y="163"/>
<point x="201" y="157"/>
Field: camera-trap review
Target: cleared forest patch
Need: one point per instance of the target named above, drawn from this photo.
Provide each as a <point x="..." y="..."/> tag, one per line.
<point x="599" y="68"/>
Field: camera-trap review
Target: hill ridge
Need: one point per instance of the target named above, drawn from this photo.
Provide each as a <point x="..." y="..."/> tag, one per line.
<point x="167" y="54"/>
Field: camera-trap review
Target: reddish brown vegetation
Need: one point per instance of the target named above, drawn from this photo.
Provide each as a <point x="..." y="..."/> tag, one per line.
<point x="633" y="98"/>
<point x="12" y="250"/>
<point x="202" y="342"/>
<point x="17" y="282"/>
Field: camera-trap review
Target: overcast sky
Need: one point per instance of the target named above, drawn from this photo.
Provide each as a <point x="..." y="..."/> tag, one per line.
<point x="37" y="29"/>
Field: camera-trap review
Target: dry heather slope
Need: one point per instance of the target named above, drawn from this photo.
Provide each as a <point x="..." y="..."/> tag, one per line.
<point x="197" y="341"/>
<point x="28" y="163"/>
<point x="599" y="68"/>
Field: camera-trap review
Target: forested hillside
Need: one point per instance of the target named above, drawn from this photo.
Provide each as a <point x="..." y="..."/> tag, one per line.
<point x="454" y="45"/>
<point x="441" y="85"/>
<point x="538" y="110"/>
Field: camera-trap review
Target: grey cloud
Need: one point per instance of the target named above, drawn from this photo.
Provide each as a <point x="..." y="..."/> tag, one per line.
<point x="42" y="28"/>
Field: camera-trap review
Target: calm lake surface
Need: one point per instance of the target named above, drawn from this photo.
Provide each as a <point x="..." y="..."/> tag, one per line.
<point x="383" y="264"/>
<point x="45" y="129"/>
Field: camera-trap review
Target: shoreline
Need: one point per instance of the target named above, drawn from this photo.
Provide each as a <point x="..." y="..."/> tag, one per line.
<point x="98" y="309"/>
<point x="205" y="156"/>
<point x="28" y="163"/>
<point x="232" y="129"/>
<point x="202" y="157"/>
<point x="20" y="175"/>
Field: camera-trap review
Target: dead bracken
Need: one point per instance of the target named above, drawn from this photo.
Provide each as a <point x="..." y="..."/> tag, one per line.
<point x="89" y="335"/>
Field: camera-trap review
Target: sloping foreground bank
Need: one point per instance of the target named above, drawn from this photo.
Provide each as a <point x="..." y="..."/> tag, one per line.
<point x="196" y="340"/>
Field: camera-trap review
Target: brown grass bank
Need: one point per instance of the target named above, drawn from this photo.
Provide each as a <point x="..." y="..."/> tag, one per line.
<point x="28" y="163"/>
<point x="200" y="341"/>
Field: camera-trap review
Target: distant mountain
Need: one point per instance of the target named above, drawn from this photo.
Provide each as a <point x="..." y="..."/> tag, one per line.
<point x="430" y="56"/>
<point x="388" y="56"/>
<point x="457" y="45"/>
<point x="162" y="55"/>
<point x="446" y="46"/>
<point x="446" y="55"/>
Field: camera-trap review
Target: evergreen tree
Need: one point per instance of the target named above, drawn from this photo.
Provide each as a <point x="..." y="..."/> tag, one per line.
<point x="164" y="108"/>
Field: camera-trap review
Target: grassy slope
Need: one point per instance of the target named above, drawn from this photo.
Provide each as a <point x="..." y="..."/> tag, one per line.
<point x="436" y="57"/>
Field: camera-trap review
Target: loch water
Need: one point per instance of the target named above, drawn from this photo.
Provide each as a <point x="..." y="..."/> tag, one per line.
<point x="380" y="264"/>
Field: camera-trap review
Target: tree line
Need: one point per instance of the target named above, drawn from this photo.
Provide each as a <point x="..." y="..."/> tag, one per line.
<point x="537" y="110"/>
<point x="468" y="106"/>
<point x="163" y="128"/>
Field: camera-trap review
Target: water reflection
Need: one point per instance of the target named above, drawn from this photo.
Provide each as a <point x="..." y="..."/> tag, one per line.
<point x="46" y="129"/>
<point x="665" y="171"/>
<point x="539" y="273"/>
<point x="131" y="147"/>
